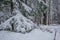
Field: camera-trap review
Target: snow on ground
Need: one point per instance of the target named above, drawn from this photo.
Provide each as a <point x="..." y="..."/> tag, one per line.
<point x="52" y="28"/>
<point x="33" y="35"/>
<point x="58" y="36"/>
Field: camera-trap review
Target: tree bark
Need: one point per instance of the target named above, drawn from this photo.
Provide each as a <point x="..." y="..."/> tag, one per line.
<point x="41" y="18"/>
<point x="26" y="1"/>
<point x="12" y="14"/>
<point x="11" y="7"/>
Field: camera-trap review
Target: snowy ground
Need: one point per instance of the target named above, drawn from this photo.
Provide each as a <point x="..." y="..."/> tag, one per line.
<point x="34" y="35"/>
<point x="44" y="34"/>
<point x="58" y="36"/>
<point x="53" y="28"/>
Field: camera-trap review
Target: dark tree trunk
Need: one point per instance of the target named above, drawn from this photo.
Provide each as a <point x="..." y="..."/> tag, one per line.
<point x="26" y="1"/>
<point x="11" y="7"/>
<point x="44" y="20"/>
<point x="12" y="27"/>
<point x="21" y="0"/>
<point x="12" y="14"/>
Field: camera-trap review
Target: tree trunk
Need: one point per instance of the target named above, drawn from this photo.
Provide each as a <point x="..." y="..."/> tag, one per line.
<point x="26" y="1"/>
<point x="41" y="18"/>
<point x="47" y="18"/>
<point x="11" y="7"/>
<point x="12" y="14"/>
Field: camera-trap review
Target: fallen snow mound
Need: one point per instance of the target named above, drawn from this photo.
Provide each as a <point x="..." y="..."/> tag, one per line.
<point x="18" y="23"/>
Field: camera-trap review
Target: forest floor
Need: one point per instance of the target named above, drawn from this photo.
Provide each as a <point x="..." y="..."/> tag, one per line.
<point x="36" y="34"/>
<point x="54" y="28"/>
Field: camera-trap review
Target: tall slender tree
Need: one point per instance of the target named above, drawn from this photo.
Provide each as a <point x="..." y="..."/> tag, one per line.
<point x="11" y="7"/>
<point x="26" y="1"/>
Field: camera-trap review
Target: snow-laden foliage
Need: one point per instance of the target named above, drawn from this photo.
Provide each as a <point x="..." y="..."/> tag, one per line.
<point x="27" y="8"/>
<point x="18" y="23"/>
<point x="30" y="12"/>
<point x="15" y="20"/>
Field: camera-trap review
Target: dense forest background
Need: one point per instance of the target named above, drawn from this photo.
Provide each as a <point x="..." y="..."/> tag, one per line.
<point x="39" y="11"/>
<point x="37" y="8"/>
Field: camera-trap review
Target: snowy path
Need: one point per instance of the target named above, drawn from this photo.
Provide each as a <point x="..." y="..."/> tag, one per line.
<point x="58" y="36"/>
<point x="34" y="35"/>
<point x="57" y="27"/>
<point x="53" y="28"/>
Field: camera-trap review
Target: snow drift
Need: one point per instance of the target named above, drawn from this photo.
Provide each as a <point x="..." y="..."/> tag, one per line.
<point x="37" y="35"/>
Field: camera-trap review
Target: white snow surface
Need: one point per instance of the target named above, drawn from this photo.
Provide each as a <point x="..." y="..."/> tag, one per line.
<point x="33" y="35"/>
<point x="52" y="28"/>
<point x="58" y="36"/>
